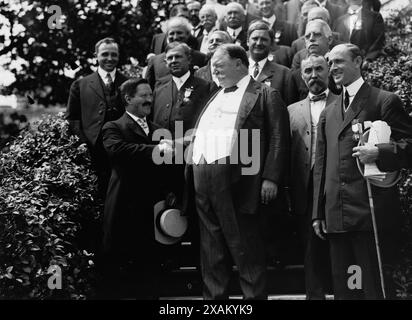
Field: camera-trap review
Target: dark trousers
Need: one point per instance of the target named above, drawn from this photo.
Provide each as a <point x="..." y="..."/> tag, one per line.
<point x="358" y="248"/>
<point x="224" y="233"/>
<point x="316" y="255"/>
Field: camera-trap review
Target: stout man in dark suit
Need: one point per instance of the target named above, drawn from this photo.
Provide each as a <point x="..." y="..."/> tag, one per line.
<point x="128" y="232"/>
<point x="260" y="38"/>
<point x="94" y="100"/>
<point x="304" y="117"/>
<point x="341" y="210"/>
<point x="229" y="192"/>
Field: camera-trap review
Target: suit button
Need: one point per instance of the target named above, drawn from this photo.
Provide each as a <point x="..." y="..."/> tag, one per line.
<point x="307" y="132"/>
<point x="307" y="148"/>
<point x="101" y="111"/>
<point x="342" y="184"/>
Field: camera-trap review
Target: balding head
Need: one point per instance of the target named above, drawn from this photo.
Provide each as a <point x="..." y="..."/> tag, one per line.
<point x="319" y="13"/>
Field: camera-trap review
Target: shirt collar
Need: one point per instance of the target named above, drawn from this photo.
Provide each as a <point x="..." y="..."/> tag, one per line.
<point x="261" y="63"/>
<point x="271" y="20"/>
<point x="135" y="118"/>
<point x="354" y="11"/>
<point x="242" y="83"/>
<point x="182" y="79"/>
<point x="354" y="87"/>
<point x="103" y="73"/>
<point x="237" y="31"/>
<point x="326" y="92"/>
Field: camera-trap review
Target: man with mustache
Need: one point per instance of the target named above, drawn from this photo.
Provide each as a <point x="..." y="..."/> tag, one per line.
<point x="341" y="207"/>
<point x="208" y="19"/>
<point x="304" y="117"/>
<point x="235" y="23"/>
<point x="128" y="237"/>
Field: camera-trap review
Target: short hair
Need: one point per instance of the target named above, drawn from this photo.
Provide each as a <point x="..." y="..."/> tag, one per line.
<point x="322" y="10"/>
<point x="176" y="9"/>
<point x="310" y="3"/>
<point x="223" y="33"/>
<point x="178" y="21"/>
<point x="235" y="51"/>
<point x="354" y="50"/>
<point x="327" y="31"/>
<point x="129" y="87"/>
<point x="312" y="55"/>
<point x="208" y="7"/>
<point x="234" y="4"/>
<point x="184" y="46"/>
<point x="260" y="25"/>
<point x="105" y="41"/>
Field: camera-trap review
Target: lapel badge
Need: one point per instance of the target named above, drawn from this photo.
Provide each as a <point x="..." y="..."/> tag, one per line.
<point x="270" y="57"/>
<point x="278" y="33"/>
<point x="355" y="130"/>
<point x="187" y="94"/>
<point x="268" y="83"/>
<point x="358" y="24"/>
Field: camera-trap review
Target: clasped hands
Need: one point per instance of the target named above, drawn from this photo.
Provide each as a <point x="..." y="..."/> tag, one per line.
<point x="166" y="146"/>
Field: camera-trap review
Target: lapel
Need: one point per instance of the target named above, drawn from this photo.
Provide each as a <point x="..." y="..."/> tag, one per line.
<point x="306" y="116"/>
<point x="95" y="84"/>
<point x="356" y="106"/>
<point x="267" y="72"/>
<point x="248" y="102"/>
<point x="134" y="127"/>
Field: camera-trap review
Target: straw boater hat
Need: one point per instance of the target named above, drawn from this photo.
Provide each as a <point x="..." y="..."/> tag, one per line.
<point x="169" y="223"/>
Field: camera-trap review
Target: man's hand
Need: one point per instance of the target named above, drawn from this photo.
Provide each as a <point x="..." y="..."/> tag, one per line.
<point x="319" y="227"/>
<point x="366" y="154"/>
<point x="269" y="191"/>
<point x="166" y="147"/>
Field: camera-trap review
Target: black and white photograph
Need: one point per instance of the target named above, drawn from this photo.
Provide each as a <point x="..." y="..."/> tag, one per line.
<point x="199" y="152"/>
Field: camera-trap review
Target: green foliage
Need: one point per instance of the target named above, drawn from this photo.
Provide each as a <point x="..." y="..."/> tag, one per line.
<point x="47" y="191"/>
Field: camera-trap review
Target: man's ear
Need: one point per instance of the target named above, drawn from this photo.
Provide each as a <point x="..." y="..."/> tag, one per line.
<point x="127" y="98"/>
<point x="330" y="40"/>
<point x="358" y="61"/>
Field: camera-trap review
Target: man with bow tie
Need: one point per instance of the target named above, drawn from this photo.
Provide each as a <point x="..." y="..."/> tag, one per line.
<point x="341" y="206"/>
<point x="363" y="28"/>
<point x="229" y="193"/>
<point x="94" y="100"/>
<point x="128" y="229"/>
<point x="304" y="117"/>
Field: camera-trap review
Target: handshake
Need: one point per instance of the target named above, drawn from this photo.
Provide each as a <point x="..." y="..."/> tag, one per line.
<point x="166" y="146"/>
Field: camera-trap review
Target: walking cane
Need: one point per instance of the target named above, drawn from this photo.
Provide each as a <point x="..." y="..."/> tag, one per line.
<point x="375" y="229"/>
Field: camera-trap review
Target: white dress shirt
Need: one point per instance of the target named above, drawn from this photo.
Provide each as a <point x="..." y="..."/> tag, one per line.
<point x="353" y="89"/>
<point x="355" y="19"/>
<point x="216" y="131"/>
<point x="142" y="122"/>
<point x="181" y="81"/>
<point x="252" y="63"/>
<point x="103" y="74"/>
<point x="271" y="20"/>
<point x="205" y="42"/>
<point x="234" y="32"/>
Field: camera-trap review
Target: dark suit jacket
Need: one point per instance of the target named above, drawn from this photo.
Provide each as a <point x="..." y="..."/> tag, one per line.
<point x="128" y="214"/>
<point x="86" y="107"/>
<point x="159" y="43"/>
<point x="166" y="111"/>
<point x="282" y="55"/>
<point x="395" y="155"/>
<point x="340" y="192"/>
<point x="285" y="33"/>
<point x="241" y="38"/>
<point x="261" y="108"/>
<point x="370" y="38"/>
<point x="276" y="76"/>
<point x="301" y="150"/>
<point x="157" y="68"/>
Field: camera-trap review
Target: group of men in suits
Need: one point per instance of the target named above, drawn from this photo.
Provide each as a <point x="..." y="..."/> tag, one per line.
<point x="306" y="148"/>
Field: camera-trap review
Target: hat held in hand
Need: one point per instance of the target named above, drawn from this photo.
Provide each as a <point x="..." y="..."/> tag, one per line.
<point x="169" y="223"/>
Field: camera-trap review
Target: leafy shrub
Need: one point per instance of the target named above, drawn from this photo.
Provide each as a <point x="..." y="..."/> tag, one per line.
<point x="47" y="192"/>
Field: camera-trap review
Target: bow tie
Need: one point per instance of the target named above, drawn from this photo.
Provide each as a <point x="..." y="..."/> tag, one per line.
<point x="231" y="89"/>
<point x="318" y="97"/>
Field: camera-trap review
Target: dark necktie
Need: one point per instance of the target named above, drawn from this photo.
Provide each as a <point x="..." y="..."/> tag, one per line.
<point x="109" y="83"/>
<point x="230" y="89"/>
<point x="318" y="97"/>
<point x="346" y="101"/>
<point x="256" y="71"/>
